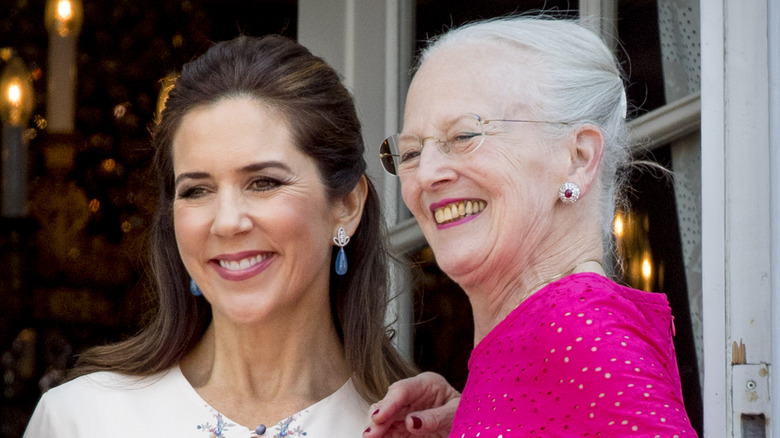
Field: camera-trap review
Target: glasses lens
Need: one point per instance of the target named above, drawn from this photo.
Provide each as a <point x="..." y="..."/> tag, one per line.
<point x="464" y="136"/>
<point x="409" y="150"/>
<point x="387" y="157"/>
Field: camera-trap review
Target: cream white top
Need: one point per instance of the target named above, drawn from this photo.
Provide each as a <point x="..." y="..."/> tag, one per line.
<point x="107" y="404"/>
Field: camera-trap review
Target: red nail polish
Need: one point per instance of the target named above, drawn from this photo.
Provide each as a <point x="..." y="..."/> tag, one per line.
<point x="416" y="423"/>
<point x="367" y="430"/>
<point x="375" y="412"/>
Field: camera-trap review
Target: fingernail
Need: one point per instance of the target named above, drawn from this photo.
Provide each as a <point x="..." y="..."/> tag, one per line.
<point x="367" y="430"/>
<point x="416" y="423"/>
<point x="375" y="412"/>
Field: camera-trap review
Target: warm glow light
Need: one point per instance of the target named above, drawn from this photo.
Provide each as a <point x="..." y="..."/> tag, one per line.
<point x="94" y="205"/>
<point x="109" y="165"/>
<point x="166" y="85"/>
<point x="64" y="17"/>
<point x="64" y="10"/>
<point x="618" y="225"/>
<point x="15" y="94"/>
<point x="647" y="269"/>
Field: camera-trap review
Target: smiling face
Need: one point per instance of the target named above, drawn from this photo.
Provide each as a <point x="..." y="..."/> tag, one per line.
<point x="487" y="214"/>
<point x="253" y="224"/>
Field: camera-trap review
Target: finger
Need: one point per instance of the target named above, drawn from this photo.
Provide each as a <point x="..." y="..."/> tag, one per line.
<point x="436" y="421"/>
<point x="395" y="405"/>
<point x="387" y="430"/>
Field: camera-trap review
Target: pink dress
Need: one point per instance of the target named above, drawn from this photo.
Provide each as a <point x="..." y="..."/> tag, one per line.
<point x="581" y="357"/>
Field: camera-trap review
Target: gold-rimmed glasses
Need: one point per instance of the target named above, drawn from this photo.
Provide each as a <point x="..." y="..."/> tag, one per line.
<point x="464" y="135"/>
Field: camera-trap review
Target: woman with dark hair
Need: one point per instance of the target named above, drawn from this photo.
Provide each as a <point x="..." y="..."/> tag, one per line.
<point x="259" y="157"/>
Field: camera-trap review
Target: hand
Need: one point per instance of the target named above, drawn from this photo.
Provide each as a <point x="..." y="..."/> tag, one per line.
<point x="420" y="406"/>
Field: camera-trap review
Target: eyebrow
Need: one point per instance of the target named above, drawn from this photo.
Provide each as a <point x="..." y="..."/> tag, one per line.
<point x="250" y="168"/>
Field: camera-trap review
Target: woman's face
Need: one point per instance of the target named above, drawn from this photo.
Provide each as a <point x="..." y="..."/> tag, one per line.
<point x="514" y="176"/>
<point x="253" y="223"/>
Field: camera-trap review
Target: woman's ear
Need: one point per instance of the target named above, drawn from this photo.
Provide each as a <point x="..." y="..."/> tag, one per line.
<point x="349" y="209"/>
<point x="587" y="150"/>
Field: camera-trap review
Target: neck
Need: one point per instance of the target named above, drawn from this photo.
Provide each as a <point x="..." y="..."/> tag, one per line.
<point x="492" y="303"/>
<point x="258" y="376"/>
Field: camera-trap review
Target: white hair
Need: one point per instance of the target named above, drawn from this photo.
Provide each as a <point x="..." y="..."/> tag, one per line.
<point x="581" y="84"/>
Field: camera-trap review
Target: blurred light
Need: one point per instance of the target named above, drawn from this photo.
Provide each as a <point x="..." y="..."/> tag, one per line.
<point x="120" y="111"/>
<point x="647" y="268"/>
<point x="15" y="94"/>
<point x="109" y="165"/>
<point x="40" y="122"/>
<point x="16" y="100"/>
<point x="6" y="53"/>
<point x="617" y="225"/>
<point x="64" y="17"/>
<point x="94" y="205"/>
<point x="127" y="226"/>
<point x="64" y="10"/>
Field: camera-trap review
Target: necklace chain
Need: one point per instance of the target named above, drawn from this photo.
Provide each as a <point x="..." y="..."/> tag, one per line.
<point x="556" y="277"/>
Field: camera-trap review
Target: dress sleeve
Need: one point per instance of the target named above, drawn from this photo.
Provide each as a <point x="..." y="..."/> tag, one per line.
<point x="615" y="369"/>
<point x="45" y="421"/>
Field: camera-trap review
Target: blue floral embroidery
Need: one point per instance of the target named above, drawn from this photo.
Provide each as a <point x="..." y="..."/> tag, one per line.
<point x="285" y="427"/>
<point x="216" y="431"/>
<point x="286" y="431"/>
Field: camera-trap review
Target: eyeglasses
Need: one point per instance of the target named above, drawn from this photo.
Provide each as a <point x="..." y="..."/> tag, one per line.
<point x="464" y="135"/>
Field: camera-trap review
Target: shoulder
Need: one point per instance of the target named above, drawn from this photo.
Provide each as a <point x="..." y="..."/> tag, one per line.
<point x="107" y="384"/>
<point x="343" y="413"/>
<point x="91" y="399"/>
<point x="594" y="303"/>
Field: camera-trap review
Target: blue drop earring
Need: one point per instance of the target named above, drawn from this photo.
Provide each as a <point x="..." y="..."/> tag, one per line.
<point x="341" y="240"/>
<point x="194" y="289"/>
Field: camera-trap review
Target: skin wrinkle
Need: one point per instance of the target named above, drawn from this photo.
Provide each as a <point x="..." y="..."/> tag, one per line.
<point x="521" y="166"/>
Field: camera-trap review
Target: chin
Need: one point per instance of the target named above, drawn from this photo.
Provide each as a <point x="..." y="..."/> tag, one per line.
<point x="457" y="269"/>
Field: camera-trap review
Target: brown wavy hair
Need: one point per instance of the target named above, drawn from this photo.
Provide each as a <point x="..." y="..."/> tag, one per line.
<point x="309" y="93"/>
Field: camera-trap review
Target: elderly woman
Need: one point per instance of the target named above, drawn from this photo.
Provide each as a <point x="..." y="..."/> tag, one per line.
<point x="509" y="160"/>
<point x="259" y="157"/>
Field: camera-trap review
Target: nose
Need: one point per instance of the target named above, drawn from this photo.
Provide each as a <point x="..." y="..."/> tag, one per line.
<point x="231" y="215"/>
<point x="434" y="168"/>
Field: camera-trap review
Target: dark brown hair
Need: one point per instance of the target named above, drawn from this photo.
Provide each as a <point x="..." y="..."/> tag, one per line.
<point x="305" y="90"/>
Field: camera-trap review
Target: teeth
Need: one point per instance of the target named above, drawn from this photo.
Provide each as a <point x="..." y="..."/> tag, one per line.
<point x="242" y="264"/>
<point x="458" y="210"/>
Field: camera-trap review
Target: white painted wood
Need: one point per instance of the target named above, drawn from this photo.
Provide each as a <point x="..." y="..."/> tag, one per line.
<point x="716" y="416"/>
<point x="747" y="221"/>
<point x="774" y="153"/>
<point x="736" y="221"/>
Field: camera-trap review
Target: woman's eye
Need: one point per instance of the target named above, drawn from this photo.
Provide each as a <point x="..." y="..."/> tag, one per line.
<point x="263" y="184"/>
<point x="191" y="192"/>
<point x="410" y="155"/>
<point x="464" y="137"/>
